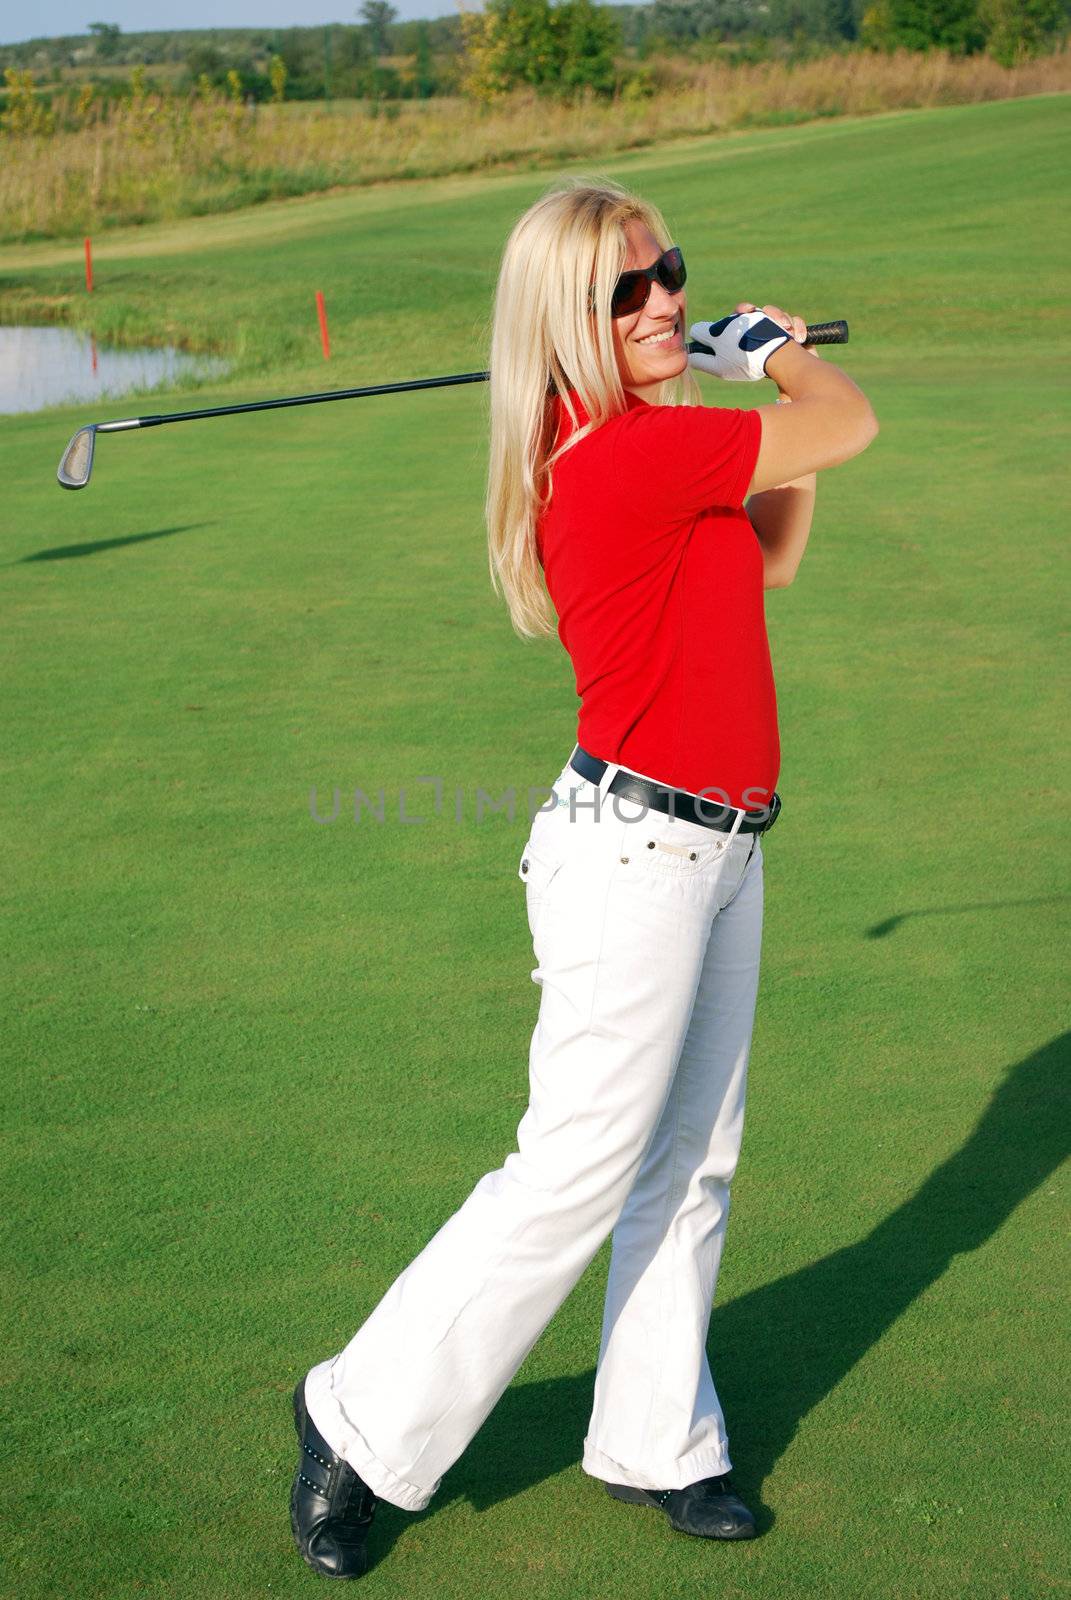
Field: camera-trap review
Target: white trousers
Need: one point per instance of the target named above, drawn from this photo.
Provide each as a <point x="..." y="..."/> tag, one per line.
<point x="647" y="933"/>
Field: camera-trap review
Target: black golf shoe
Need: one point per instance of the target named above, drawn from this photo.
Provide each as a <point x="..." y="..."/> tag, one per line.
<point x="331" y="1507"/>
<point x="710" y="1508"/>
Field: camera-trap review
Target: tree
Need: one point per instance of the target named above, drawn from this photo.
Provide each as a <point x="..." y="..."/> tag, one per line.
<point x="277" y="79"/>
<point x="204" y="60"/>
<point x="529" y="43"/>
<point x="804" y="19"/>
<point x="107" y="37"/>
<point x="378" y="16"/>
<point x="681" y="21"/>
<point x="843" y="18"/>
<point x="1016" y="29"/>
<point x="922" y="24"/>
<point x="423" y="66"/>
<point x="589" y="35"/>
<point x="302" y="55"/>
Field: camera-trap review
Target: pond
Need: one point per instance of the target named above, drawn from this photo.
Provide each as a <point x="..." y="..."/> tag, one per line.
<point x="48" y="366"/>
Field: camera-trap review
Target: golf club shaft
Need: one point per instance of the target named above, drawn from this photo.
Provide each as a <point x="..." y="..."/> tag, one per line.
<point x="293" y="400"/>
<point x="818" y="333"/>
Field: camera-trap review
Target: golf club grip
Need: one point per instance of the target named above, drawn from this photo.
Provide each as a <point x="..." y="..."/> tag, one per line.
<point x="817" y="333"/>
<point x="827" y="333"/>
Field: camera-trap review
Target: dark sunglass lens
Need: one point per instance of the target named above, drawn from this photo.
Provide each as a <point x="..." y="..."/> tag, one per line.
<point x="630" y="293"/>
<point x="671" y="273"/>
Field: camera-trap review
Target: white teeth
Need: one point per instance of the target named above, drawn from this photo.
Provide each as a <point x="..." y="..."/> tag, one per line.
<point x="658" y="338"/>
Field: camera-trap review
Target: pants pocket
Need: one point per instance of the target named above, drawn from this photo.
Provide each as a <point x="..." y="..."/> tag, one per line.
<point x="537" y="871"/>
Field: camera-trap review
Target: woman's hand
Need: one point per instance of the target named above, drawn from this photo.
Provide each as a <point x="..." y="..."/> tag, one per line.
<point x="793" y="325"/>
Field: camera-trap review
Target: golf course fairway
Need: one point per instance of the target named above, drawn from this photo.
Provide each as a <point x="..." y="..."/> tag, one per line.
<point x="256" y="1057"/>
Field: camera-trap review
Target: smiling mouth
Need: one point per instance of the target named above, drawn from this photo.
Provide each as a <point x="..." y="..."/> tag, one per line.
<point x="654" y="340"/>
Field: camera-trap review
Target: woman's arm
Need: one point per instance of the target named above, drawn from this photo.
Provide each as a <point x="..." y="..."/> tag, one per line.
<point x="782" y="514"/>
<point x="782" y="518"/>
<point x="830" y="421"/>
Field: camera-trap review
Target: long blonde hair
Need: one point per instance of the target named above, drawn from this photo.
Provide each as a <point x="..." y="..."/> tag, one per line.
<point x="546" y="340"/>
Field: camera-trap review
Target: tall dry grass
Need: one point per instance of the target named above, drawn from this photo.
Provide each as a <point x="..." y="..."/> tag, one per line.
<point x="159" y="156"/>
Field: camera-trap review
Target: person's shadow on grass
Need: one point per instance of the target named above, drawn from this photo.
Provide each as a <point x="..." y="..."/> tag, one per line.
<point x="777" y="1351"/>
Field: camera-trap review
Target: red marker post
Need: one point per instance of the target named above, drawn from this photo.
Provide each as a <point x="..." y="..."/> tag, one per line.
<point x="89" y="267"/>
<point x="321" y="312"/>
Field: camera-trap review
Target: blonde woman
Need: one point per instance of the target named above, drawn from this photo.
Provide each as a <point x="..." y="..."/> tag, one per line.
<point x="652" y="528"/>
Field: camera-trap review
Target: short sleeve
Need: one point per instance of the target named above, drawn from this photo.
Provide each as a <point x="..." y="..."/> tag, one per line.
<point x="676" y="461"/>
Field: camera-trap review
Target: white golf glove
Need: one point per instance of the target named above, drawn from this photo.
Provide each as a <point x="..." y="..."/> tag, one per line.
<point x="737" y="347"/>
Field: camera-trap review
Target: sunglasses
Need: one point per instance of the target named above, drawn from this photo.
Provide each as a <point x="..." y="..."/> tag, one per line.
<point x="632" y="289"/>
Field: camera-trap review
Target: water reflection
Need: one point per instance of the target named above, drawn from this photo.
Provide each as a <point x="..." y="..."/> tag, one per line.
<point x="47" y="366"/>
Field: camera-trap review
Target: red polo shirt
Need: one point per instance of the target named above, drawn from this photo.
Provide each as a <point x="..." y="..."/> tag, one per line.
<point x="656" y="574"/>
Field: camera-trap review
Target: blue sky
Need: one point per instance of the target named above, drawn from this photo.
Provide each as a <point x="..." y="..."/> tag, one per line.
<point x="46" y="18"/>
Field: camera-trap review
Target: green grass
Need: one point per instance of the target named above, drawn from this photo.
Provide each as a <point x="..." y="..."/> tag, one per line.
<point x="255" y="1062"/>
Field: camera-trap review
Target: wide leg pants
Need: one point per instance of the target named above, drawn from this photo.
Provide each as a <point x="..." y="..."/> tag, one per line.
<point x="646" y="931"/>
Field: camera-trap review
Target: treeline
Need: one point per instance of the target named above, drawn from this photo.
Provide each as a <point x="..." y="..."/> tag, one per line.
<point x="378" y="57"/>
<point x="559" y="49"/>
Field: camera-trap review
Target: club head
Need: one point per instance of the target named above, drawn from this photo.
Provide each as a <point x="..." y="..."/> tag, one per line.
<point x="77" y="463"/>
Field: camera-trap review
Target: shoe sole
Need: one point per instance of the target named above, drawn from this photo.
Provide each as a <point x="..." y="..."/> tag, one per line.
<point x="299" y="1424"/>
<point x="641" y="1497"/>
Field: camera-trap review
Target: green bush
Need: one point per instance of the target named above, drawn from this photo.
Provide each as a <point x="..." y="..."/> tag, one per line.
<point x="561" y="49"/>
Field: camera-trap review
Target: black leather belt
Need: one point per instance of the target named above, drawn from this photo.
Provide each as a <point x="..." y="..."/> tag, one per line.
<point x="677" y="802"/>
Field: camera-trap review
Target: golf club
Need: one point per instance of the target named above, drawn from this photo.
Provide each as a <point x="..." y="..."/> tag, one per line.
<point x="76" y="465"/>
